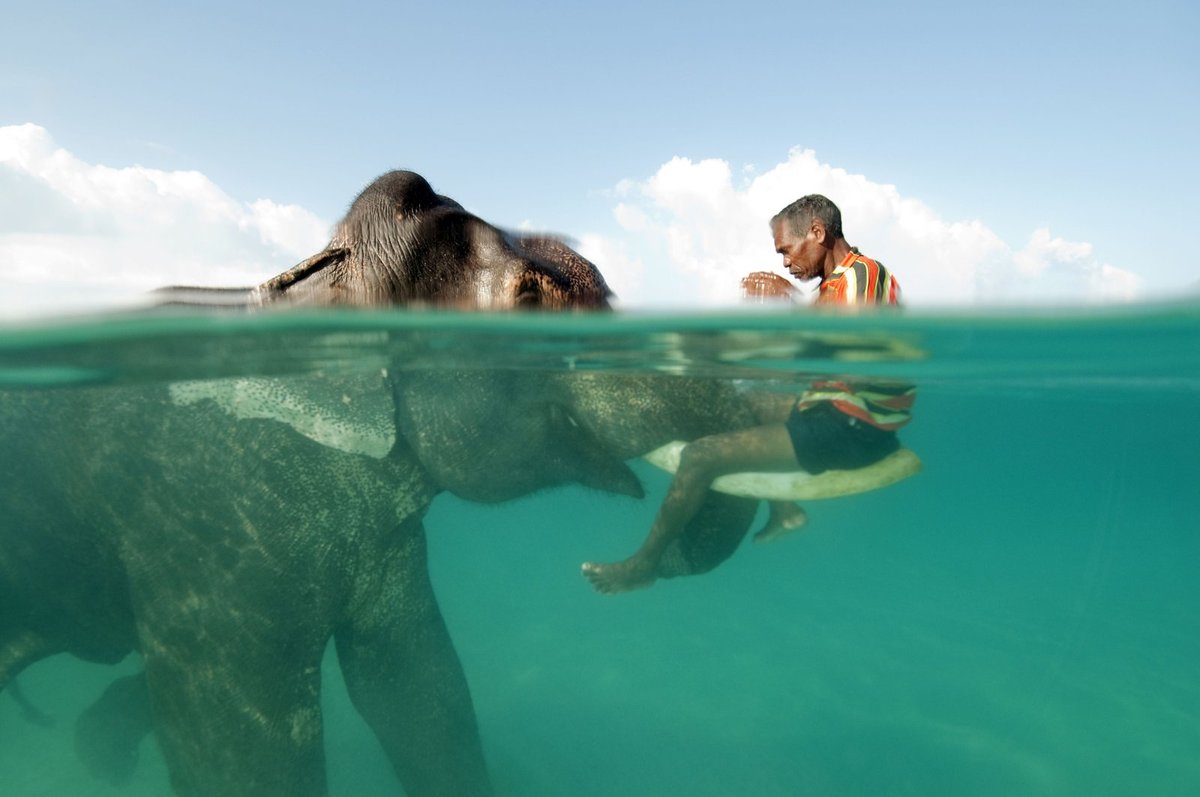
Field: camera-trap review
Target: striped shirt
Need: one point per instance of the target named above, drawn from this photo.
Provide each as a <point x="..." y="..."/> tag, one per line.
<point x="886" y="405"/>
<point x="859" y="280"/>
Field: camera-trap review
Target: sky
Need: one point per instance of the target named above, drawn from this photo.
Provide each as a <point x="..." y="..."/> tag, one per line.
<point x="1014" y="153"/>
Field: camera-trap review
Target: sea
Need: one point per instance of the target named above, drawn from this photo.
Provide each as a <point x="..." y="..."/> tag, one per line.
<point x="1021" y="617"/>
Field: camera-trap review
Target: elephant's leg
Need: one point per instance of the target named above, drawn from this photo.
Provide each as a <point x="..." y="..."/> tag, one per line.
<point x="31" y="713"/>
<point x="109" y="732"/>
<point x="236" y="723"/>
<point x="404" y="677"/>
<point x="233" y="672"/>
<point x="710" y="537"/>
<point x="20" y="649"/>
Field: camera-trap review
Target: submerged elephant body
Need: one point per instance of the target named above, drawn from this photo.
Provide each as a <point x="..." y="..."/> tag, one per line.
<point x="228" y="546"/>
<point x="243" y="547"/>
<point x="228" y="551"/>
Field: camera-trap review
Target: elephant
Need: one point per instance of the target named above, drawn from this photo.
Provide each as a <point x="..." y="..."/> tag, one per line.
<point x="228" y="550"/>
<point x="400" y="243"/>
<point x="209" y="527"/>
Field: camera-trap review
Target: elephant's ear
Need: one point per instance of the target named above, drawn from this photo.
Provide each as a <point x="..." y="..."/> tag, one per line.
<point x="322" y="260"/>
<point x="585" y="458"/>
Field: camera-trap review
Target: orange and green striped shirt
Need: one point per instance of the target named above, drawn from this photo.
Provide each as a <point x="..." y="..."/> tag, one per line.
<point x="861" y="280"/>
<point x="884" y="405"/>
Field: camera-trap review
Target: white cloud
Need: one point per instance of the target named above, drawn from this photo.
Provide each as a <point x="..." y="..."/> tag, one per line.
<point x="75" y="235"/>
<point x="624" y="275"/>
<point x="707" y="233"/>
<point x="80" y="235"/>
<point x="1042" y="250"/>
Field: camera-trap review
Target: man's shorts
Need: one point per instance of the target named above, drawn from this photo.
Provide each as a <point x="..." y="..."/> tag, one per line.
<point x="825" y="438"/>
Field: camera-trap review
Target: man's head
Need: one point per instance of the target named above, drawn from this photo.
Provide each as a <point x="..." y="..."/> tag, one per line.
<point x="804" y="232"/>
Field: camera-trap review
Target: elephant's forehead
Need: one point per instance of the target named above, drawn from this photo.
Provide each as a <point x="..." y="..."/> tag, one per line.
<point x="349" y="412"/>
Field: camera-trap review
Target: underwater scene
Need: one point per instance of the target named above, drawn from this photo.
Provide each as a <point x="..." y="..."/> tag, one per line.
<point x="221" y="536"/>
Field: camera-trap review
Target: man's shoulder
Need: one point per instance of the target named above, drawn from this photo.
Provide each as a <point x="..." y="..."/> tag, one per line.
<point x="868" y="280"/>
<point x="859" y="257"/>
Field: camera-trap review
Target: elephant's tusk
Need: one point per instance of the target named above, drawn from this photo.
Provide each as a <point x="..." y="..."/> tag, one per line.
<point x="799" y="485"/>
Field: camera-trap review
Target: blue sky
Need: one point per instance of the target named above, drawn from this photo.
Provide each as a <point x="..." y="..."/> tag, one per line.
<point x="1010" y="152"/>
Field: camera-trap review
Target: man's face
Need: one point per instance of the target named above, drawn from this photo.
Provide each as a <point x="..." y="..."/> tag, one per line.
<point x="802" y="256"/>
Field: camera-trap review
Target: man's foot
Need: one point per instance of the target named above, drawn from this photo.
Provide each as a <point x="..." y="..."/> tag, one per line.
<point x="785" y="517"/>
<point x="616" y="577"/>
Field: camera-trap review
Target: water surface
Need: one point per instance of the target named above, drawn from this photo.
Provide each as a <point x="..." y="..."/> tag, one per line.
<point x="1022" y="617"/>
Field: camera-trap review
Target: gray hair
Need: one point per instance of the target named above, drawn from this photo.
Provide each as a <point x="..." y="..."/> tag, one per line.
<point x="800" y="214"/>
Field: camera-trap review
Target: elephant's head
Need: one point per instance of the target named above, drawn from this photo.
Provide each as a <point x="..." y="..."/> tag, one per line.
<point x="402" y="243"/>
<point x="494" y="436"/>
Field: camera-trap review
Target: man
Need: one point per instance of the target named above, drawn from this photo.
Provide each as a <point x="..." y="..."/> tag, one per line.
<point x="808" y="233"/>
<point x="834" y="425"/>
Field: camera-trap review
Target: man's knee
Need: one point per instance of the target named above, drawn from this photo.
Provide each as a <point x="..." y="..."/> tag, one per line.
<point x="700" y="459"/>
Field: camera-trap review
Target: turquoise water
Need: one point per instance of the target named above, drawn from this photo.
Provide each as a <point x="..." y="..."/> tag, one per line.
<point x="1022" y="617"/>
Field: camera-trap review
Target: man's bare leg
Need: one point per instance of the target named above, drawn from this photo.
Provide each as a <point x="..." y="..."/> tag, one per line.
<point x="760" y="449"/>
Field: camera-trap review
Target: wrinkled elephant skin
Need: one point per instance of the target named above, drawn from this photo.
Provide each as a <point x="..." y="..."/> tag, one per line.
<point x="229" y="544"/>
<point x="229" y="552"/>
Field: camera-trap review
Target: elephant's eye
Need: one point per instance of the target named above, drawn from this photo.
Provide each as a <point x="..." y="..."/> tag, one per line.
<point x="530" y="290"/>
<point x="528" y="298"/>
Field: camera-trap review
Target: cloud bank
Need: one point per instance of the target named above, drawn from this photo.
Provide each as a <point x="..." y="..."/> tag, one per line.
<point x="703" y="229"/>
<point x="75" y="235"/>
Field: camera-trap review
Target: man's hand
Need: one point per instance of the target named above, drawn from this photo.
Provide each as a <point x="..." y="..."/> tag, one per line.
<point x="765" y="286"/>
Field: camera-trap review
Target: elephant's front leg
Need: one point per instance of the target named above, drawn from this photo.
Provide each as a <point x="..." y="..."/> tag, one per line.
<point x="710" y="537"/>
<point x="404" y="677"/>
<point x="233" y="671"/>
